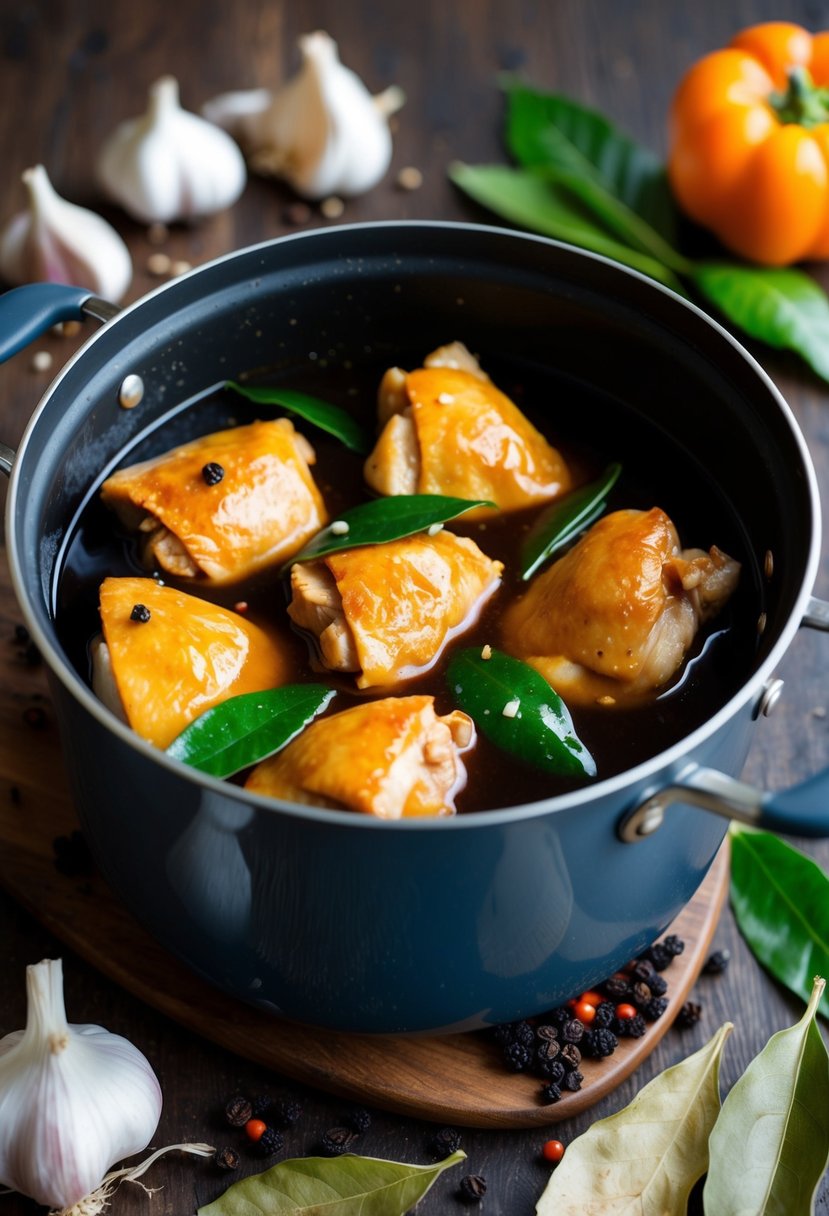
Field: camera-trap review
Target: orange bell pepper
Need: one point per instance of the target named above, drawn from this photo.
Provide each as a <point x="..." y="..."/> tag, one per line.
<point x="749" y="144"/>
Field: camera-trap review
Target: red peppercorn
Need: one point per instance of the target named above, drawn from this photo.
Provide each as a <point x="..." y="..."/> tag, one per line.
<point x="623" y="1012"/>
<point x="255" y="1129"/>
<point x="584" y="1011"/>
<point x="553" y="1151"/>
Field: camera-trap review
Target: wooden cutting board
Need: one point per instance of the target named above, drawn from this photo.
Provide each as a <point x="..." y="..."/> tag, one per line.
<point x="454" y="1079"/>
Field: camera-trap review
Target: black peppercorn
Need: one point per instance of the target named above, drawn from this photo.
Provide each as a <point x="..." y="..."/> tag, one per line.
<point x="502" y="1033"/>
<point x="630" y="1028"/>
<point x="642" y="970"/>
<point x="359" y="1119"/>
<point x="261" y="1106"/>
<point x="551" y="1092"/>
<point x="238" y="1111"/>
<point x="573" y="1080"/>
<point x="572" y="1031"/>
<point x="617" y="987"/>
<point x="337" y="1140"/>
<point x="227" y="1158"/>
<point x="548" y="1049"/>
<point x="472" y="1188"/>
<point x="140" y="613"/>
<point x="717" y="963"/>
<point x="673" y="943"/>
<point x="660" y="956"/>
<point x="212" y="473"/>
<point x="445" y="1142"/>
<point x="688" y="1015"/>
<point x="558" y="1017"/>
<point x="657" y="985"/>
<point x="517" y="1056"/>
<point x="570" y="1056"/>
<point x="605" y="1014"/>
<point x="287" y="1112"/>
<point x="640" y="994"/>
<point x="599" y="1042"/>
<point x="522" y="1032"/>
<point x="270" y="1142"/>
<point x="553" y="1071"/>
<point x="546" y="1033"/>
<point x="654" y="1008"/>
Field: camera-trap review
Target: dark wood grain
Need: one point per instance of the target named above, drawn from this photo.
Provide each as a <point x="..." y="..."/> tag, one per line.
<point x="70" y="70"/>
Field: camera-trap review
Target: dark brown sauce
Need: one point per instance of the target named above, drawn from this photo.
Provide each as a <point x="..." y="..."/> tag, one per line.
<point x="655" y="473"/>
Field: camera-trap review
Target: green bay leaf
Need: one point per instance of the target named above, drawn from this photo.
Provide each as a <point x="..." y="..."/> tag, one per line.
<point x="243" y="730"/>
<point x="646" y="1158"/>
<point x="783" y="308"/>
<point x="540" y="731"/>
<point x="559" y="523"/>
<point x="770" y="1145"/>
<point x="322" y="414"/>
<point x="384" y="519"/>
<point x="524" y="197"/>
<point x="331" y="1186"/>
<point x="780" y="899"/>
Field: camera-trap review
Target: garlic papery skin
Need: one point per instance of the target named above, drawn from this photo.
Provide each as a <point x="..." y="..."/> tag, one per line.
<point x="55" y="241"/>
<point x="322" y="132"/>
<point x="170" y="164"/>
<point x="73" y="1099"/>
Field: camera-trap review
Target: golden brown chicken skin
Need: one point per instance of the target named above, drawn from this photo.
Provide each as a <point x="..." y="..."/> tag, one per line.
<point x="448" y="430"/>
<point x="386" y="611"/>
<point x="166" y="657"/>
<point x="613" y="619"/>
<point x="224" y="506"/>
<point x="392" y="758"/>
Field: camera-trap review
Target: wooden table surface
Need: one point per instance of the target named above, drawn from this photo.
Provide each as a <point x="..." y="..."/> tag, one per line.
<point x="69" y="69"/>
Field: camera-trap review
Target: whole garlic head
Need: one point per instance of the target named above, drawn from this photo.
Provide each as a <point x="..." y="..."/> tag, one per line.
<point x="55" y="241"/>
<point x="322" y="131"/>
<point x="170" y="164"/>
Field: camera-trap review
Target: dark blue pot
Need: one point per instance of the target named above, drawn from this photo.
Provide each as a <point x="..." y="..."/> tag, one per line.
<point x="339" y="920"/>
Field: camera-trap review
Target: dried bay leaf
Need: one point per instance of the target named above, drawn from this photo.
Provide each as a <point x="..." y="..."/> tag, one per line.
<point x="770" y="1145"/>
<point x="331" y="1186"/>
<point x="645" y="1159"/>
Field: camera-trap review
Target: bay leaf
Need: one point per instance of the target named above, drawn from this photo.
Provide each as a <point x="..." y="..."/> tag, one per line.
<point x="770" y="1144"/>
<point x="784" y="308"/>
<point x="243" y="730"/>
<point x="383" y="519"/>
<point x="331" y="1186"/>
<point x="645" y="1159"/>
<point x="524" y="197"/>
<point x="563" y="519"/>
<point x="516" y="708"/>
<point x="780" y="899"/>
<point x="322" y="414"/>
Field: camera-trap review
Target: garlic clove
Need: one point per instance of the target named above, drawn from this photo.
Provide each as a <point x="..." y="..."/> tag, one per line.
<point x="170" y="164"/>
<point x="74" y="1099"/>
<point x="322" y="131"/>
<point x="59" y="242"/>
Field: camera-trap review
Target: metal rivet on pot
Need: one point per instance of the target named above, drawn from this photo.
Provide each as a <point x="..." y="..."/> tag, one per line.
<point x="768" y="564"/>
<point x="644" y="821"/>
<point x="131" y="392"/>
<point x="770" y="697"/>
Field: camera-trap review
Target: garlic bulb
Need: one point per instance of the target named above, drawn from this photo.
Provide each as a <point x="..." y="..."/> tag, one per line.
<point x="322" y="132"/>
<point x="73" y="1099"/>
<point x="170" y="164"/>
<point x="58" y="242"/>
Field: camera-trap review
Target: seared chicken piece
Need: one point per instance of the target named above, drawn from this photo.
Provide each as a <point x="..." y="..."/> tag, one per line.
<point x="448" y="430"/>
<point x="388" y="758"/>
<point x="386" y="611"/>
<point x="166" y="657"/>
<point x="613" y="619"/>
<point x="223" y="506"/>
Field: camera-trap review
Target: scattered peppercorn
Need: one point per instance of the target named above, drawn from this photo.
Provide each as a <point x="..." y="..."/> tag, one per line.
<point x="548" y="1068"/>
<point x="631" y="1028"/>
<point x="360" y="1119"/>
<point x="616" y="987"/>
<point x="227" y="1158"/>
<point x="642" y="970"/>
<point x="547" y="1050"/>
<point x="472" y="1188"/>
<point x="271" y="1141"/>
<point x="255" y="1129"/>
<point x="445" y="1142"/>
<point x="573" y="1080"/>
<point x="688" y="1015"/>
<point x="654" y="1008"/>
<point x="551" y="1092"/>
<point x="337" y="1140"/>
<point x="660" y="956"/>
<point x="605" y="1014"/>
<point x="657" y="984"/>
<point x="600" y="1042"/>
<point x="238" y="1111"/>
<point x="140" y="613"/>
<point x="517" y="1056"/>
<point x="546" y="1033"/>
<point x="572" y="1031"/>
<point x="212" y="473"/>
<point x="640" y="994"/>
<point x="570" y="1056"/>
<point x="717" y="963"/>
<point x="522" y="1032"/>
<point x="674" y="944"/>
<point x="261" y="1106"/>
<point x="288" y="1111"/>
<point x="553" y="1151"/>
<point x="555" y="1072"/>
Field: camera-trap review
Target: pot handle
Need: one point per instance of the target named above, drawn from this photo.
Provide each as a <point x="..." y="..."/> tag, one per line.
<point x="27" y="312"/>
<point x="801" y="810"/>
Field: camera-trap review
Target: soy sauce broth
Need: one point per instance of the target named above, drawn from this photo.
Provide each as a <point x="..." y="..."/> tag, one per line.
<point x="591" y="429"/>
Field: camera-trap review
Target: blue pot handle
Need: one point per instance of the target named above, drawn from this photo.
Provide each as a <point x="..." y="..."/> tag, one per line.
<point x="802" y="810"/>
<point x="27" y="312"/>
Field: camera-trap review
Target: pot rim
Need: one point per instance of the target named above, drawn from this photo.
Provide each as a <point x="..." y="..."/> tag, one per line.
<point x="611" y="787"/>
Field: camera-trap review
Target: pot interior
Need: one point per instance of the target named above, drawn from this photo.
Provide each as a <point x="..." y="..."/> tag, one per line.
<point x="611" y="363"/>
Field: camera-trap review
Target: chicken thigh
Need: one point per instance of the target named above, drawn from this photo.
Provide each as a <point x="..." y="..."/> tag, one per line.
<point x="613" y="619"/>
<point x="223" y="506"/>
<point x="389" y="758"/>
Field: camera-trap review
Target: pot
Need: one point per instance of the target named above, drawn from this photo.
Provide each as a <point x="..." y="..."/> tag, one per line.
<point x="336" y="919"/>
